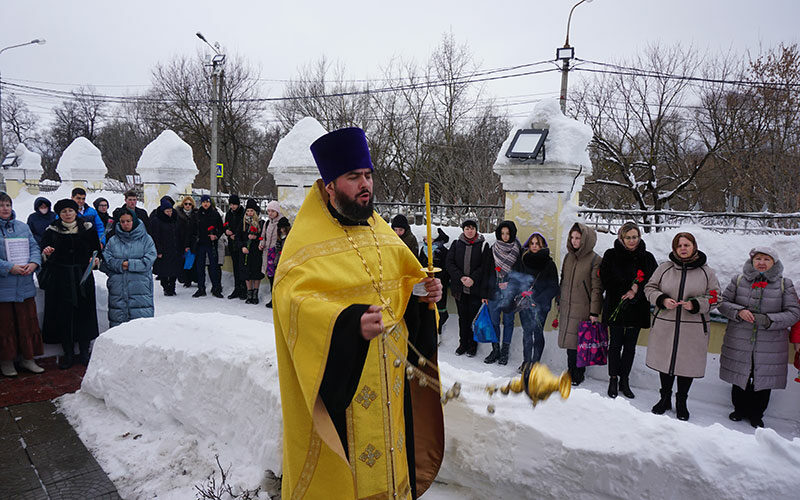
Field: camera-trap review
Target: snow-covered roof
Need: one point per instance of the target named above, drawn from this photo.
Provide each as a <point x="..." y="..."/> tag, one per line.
<point x="293" y="150"/>
<point x="167" y="160"/>
<point x="81" y="161"/>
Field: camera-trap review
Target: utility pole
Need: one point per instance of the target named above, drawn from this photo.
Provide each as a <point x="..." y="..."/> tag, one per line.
<point x="37" y="41"/>
<point x="217" y="75"/>
<point x="566" y="53"/>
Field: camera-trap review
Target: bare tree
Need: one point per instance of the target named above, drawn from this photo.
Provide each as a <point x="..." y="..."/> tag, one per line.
<point x="19" y="124"/>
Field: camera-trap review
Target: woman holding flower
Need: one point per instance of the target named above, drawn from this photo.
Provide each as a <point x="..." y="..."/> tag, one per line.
<point x="249" y="237"/>
<point x="683" y="290"/>
<point x="624" y="271"/>
<point x="205" y="227"/>
<point x="505" y="256"/>
<point x="761" y="305"/>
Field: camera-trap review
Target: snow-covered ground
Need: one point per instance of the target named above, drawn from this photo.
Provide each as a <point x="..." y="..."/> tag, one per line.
<point x="163" y="396"/>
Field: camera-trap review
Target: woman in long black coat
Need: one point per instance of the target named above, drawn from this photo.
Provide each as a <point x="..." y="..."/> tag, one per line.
<point x="184" y="213"/>
<point x="169" y="246"/>
<point x="248" y="237"/>
<point x="70" y="312"/>
<point x="624" y="271"/>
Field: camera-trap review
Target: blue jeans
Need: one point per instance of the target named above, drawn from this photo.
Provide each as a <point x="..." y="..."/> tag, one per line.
<point x="508" y="321"/>
<point x="533" y="333"/>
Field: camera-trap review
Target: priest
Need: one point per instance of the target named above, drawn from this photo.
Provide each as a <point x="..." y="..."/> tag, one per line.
<point x="351" y="319"/>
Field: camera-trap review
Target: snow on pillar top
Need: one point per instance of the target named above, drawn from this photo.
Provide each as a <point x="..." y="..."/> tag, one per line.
<point x="28" y="165"/>
<point x="167" y="160"/>
<point x="82" y="161"/>
<point x="566" y="154"/>
<point x="292" y="163"/>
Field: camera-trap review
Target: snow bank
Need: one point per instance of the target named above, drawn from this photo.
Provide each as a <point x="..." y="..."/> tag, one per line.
<point x="81" y="161"/>
<point x="191" y="393"/>
<point x="566" y="141"/>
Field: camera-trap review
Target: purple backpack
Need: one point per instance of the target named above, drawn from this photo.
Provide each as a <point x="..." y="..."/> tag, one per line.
<point x="592" y="344"/>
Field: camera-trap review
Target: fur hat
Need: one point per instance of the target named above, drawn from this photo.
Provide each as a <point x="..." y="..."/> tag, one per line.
<point x="251" y="203"/>
<point x="341" y="151"/>
<point x="283" y="222"/>
<point x="234" y="200"/>
<point x="65" y="203"/>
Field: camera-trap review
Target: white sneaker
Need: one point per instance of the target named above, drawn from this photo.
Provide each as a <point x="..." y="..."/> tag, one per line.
<point x="7" y="367"/>
<point x="31" y="366"/>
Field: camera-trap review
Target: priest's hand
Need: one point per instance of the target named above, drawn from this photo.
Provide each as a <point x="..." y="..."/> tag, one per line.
<point x="372" y="323"/>
<point x="434" y="288"/>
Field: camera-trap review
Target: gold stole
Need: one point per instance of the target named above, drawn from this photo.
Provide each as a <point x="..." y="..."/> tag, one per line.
<point x="318" y="276"/>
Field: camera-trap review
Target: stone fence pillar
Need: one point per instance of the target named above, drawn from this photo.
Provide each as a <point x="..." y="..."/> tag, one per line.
<point x="82" y="165"/>
<point x="166" y="167"/>
<point x="24" y="173"/>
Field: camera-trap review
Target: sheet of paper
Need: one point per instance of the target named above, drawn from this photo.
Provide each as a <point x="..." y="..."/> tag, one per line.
<point x="18" y="251"/>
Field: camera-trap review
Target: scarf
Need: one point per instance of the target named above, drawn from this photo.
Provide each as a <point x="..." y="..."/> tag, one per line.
<point x="270" y="232"/>
<point x="505" y="254"/>
<point x="71" y="227"/>
<point x="478" y="240"/>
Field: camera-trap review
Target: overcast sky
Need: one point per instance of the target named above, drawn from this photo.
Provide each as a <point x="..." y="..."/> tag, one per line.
<point x="114" y="45"/>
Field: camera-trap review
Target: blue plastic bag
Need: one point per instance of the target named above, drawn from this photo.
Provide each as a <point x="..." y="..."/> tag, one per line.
<point x="482" y="326"/>
<point x="188" y="260"/>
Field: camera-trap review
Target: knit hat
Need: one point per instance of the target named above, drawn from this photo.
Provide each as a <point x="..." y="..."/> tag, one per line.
<point x="274" y="205"/>
<point x="341" y="151"/>
<point x="283" y="222"/>
<point x="65" y="203"/>
<point x="234" y="200"/>
<point x="400" y="220"/>
<point x="96" y="203"/>
<point x="766" y="251"/>
<point x="469" y="222"/>
<point x="166" y="203"/>
<point x="205" y="197"/>
<point x="251" y="203"/>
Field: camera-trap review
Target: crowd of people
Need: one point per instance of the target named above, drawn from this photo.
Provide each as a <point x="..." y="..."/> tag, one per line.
<point x="624" y="289"/>
<point x="62" y="245"/>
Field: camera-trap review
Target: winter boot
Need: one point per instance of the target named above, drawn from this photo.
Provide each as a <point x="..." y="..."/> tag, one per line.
<point x="494" y="355"/>
<point x="254" y="300"/>
<point x="503" y="360"/>
<point x="612" y="387"/>
<point x="249" y="299"/>
<point x="756" y="421"/>
<point x="269" y="304"/>
<point x="235" y="294"/>
<point x="680" y="406"/>
<point x="578" y="375"/>
<point x="199" y="293"/>
<point x="31" y="366"/>
<point x="665" y="403"/>
<point x="66" y="361"/>
<point x="217" y="292"/>
<point x="7" y="368"/>
<point x="625" y="387"/>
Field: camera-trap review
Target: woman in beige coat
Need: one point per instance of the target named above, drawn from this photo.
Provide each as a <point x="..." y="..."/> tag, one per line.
<point x="683" y="291"/>
<point x="581" y="297"/>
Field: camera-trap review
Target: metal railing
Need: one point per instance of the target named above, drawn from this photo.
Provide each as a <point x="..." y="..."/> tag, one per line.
<point x="487" y="216"/>
<point x="609" y="220"/>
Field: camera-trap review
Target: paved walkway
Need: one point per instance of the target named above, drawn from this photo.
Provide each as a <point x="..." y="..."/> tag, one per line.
<point x="41" y="457"/>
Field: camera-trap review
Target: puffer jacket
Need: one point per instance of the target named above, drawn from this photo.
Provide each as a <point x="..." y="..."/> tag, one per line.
<point x="581" y="288"/>
<point x="678" y="343"/>
<point x="13" y="287"/>
<point x="37" y="221"/>
<point x="750" y="346"/>
<point x="130" y="293"/>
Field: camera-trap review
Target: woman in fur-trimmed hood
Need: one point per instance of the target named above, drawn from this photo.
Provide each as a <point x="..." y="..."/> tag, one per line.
<point x="761" y="305"/>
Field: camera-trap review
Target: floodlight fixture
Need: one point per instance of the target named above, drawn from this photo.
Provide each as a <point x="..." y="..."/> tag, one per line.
<point x="565" y="53"/>
<point x="9" y="160"/>
<point x="527" y="144"/>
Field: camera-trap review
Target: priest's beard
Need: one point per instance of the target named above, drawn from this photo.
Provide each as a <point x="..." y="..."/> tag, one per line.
<point x="351" y="208"/>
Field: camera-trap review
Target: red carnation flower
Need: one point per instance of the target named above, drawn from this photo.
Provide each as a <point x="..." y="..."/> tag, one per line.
<point x="555" y="323"/>
<point x="759" y="284"/>
<point x="253" y="229"/>
<point x="225" y="224"/>
<point x="261" y="238"/>
<point x="497" y="269"/>
<point x="210" y="228"/>
<point x="639" y="276"/>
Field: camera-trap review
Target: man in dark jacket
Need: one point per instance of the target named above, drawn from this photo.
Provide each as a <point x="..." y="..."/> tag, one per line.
<point x="205" y="227"/>
<point x="41" y="217"/>
<point x="131" y="199"/>
<point x="465" y="263"/>
<point x="233" y="225"/>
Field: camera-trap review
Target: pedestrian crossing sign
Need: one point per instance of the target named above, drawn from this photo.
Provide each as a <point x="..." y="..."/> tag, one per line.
<point x="219" y="170"/>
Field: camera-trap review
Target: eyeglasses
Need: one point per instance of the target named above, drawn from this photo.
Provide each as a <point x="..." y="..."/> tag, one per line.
<point x="187" y="204"/>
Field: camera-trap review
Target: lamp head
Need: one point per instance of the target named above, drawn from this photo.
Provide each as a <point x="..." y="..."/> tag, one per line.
<point x="39" y="41"/>
<point x="201" y="37"/>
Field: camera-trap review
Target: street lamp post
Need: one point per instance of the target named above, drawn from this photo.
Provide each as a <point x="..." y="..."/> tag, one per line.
<point x="564" y="54"/>
<point x="217" y="62"/>
<point x="36" y="41"/>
